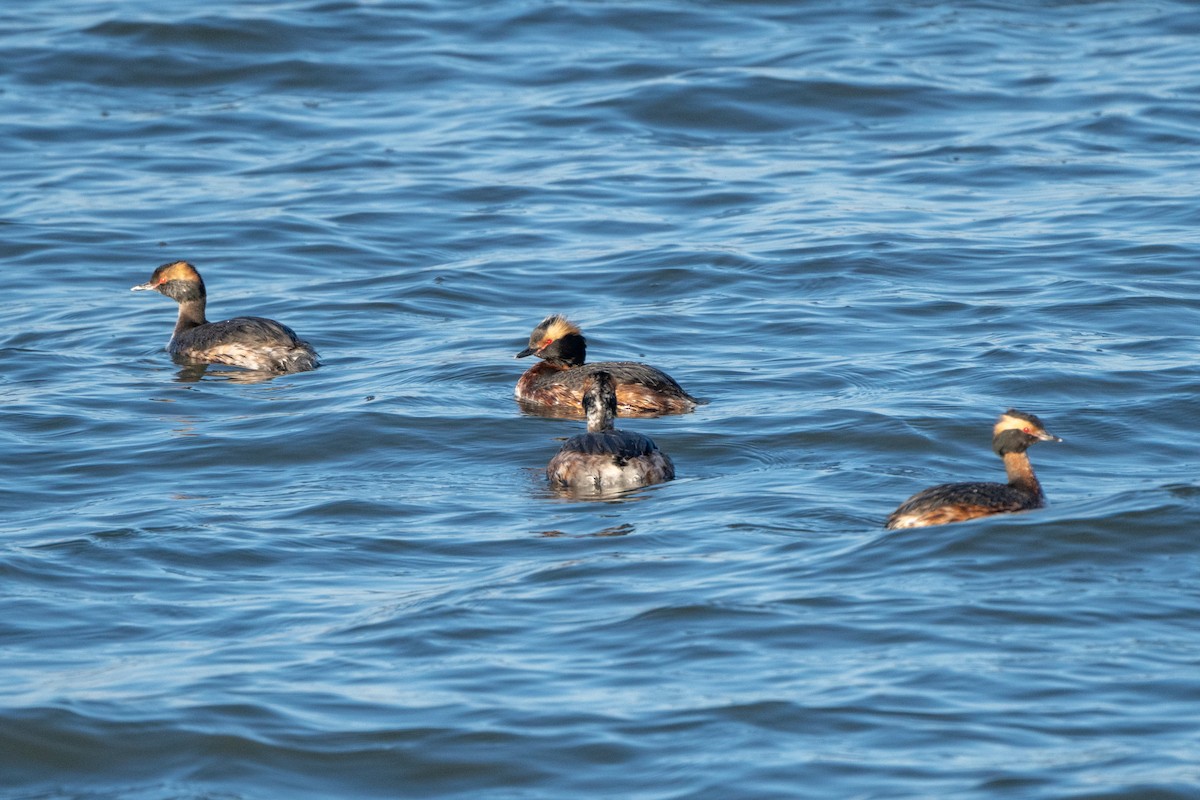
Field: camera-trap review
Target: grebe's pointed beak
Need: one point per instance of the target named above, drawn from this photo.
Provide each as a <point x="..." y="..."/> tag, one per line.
<point x="1045" y="436"/>
<point x="142" y="287"/>
<point x="528" y="351"/>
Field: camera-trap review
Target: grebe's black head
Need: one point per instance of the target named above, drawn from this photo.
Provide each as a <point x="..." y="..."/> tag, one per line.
<point x="600" y="401"/>
<point x="178" y="280"/>
<point x="557" y="340"/>
<point x="1016" y="430"/>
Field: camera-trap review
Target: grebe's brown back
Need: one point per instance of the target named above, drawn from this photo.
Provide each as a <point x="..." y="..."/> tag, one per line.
<point x="1012" y="435"/>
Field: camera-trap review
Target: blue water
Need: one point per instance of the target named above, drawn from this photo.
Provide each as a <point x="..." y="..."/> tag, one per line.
<point x="860" y="231"/>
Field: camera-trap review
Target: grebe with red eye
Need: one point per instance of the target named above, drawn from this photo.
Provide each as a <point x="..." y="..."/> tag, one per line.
<point x="251" y="342"/>
<point x="605" y="458"/>
<point x="1012" y="435"/>
<point x="554" y="386"/>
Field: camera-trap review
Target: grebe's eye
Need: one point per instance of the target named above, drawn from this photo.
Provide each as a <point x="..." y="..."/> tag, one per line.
<point x="1027" y="430"/>
<point x="546" y="342"/>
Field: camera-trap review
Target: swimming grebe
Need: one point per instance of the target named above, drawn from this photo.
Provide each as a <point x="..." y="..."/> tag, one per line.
<point x="554" y="386"/>
<point x="606" y="458"/>
<point x="956" y="502"/>
<point x="250" y="342"/>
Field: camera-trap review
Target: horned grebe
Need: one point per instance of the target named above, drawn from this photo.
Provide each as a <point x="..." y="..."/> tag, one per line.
<point x="250" y="342"/>
<point x="554" y="386"/>
<point x="956" y="502"/>
<point x="605" y="458"/>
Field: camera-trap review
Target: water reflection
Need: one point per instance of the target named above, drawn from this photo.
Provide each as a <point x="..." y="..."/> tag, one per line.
<point x="192" y="373"/>
<point x="623" y="529"/>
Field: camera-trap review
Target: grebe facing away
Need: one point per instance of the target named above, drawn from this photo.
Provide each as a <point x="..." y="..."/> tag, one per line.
<point x="554" y="386"/>
<point x="956" y="502"/>
<point x="605" y="458"/>
<point x="250" y="342"/>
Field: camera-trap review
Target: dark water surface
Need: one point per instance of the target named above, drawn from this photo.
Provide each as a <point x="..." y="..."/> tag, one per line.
<point x="859" y="230"/>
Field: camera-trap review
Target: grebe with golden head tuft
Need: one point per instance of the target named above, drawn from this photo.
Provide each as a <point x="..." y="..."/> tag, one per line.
<point x="250" y="342"/>
<point x="554" y="386"/>
<point x="1012" y="435"/>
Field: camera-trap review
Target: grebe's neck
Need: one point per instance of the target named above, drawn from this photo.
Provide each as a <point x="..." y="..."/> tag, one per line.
<point x="600" y="402"/>
<point x="599" y="418"/>
<point x="191" y="315"/>
<point x="1020" y="473"/>
<point x="531" y="378"/>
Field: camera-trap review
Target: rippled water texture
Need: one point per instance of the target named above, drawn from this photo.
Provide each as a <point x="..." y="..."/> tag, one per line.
<point x="859" y="231"/>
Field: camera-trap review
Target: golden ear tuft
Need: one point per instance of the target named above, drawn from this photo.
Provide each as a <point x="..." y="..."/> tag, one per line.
<point x="176" y="271"/>
<point x="1013" y="420"/>
<point x="558" y="326"/>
